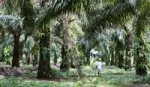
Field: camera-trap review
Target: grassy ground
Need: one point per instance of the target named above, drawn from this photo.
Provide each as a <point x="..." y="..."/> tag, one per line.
<point x="111" y="77"/>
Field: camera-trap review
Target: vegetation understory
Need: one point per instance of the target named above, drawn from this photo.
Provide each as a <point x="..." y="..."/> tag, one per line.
<point x="111" y="77"/>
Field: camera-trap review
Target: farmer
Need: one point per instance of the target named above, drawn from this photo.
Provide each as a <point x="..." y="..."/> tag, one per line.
<point x="99" y="66"/>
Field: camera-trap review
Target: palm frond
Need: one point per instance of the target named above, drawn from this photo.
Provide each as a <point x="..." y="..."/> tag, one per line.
<point x="12" y="6"/>
<point x="62" y="6"/>
<point x="142" y="21"/>
<point x="111" y="17"/>
<point x="27" y="12"/>
<point x="142" y="4"/>
<point x="11" y="23"/>
<point x="6" y="42"/>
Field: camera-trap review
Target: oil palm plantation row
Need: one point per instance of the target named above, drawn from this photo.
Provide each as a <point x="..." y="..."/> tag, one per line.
<point x="30" y="19"/>
<point x="34" y="19"/>
<point x="117" y="15"/>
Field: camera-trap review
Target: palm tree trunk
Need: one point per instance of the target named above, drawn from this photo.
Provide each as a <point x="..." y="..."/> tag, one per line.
<point x="141" y="68"/>
<point x="28" y="58"/>
<point x="2" y="57"/>
<point x="44" y="69"/>
<point x="127" y="60"/>
<point x="107" y="58"/>
<point x="120" y="59"/>
<point x="16" y="52"/>
<point x="65" y="63"/>
<point x="72" y="59"/>
<point x="35" y="60"/>
<point x="88" y="57"/>
<point x="64" y="52"/>
<point x="112" y="58"/>
<point x="128" y="47"/>
<point x="55" y="57"/>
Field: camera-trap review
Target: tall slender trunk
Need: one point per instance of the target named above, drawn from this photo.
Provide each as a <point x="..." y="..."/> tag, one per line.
<point x="128" y="60"/>
<point x="2" y="50"/>
<point x="64" y="22"/>
<point x="108" y="59"/>
<point x="64" y="52"/>
<point x="55" y="57"/>
<point x="128" y="54"/>
<point x="120" y="59"/>
<point x="44" y="69"/>
<point x="16" y="52"/>
<point x="117" y="54"/>
<point x="88" y="57"/>
<point x="28" y="58"/>
<point x="65" y="63"/>
<point x="141" y="68"/>
<point x="72" y="58"/>
<point x="35" y="60"/>
<point x="112" y="58"/>
<point x="2" y="55"/>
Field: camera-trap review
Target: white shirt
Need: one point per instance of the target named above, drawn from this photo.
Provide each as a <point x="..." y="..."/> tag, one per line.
<point x="99" y="65"/>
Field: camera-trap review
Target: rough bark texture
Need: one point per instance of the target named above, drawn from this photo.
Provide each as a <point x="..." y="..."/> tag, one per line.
<point x="64" y="21"/>
<point x="65" y="64"/>
<point x="112" y="58"/>
<point x="28" y="58"/>
<point x="121" y="60"/>
<point x="128" y="41"/>
<point x="88" y="57"/>
<point x="44" y="69"/>
<point x="35" y="60"/>
<point x="141" y="68"/>
<point x="2" y="39"/>
<point x="128" y="53"/>
<point x="55" y="58"/>
<point x="16" y="52"/>
<point x="107" y="59"/>
<point x="128" y="60"/>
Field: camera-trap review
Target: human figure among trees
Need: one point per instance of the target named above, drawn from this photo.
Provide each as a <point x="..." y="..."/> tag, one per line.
<point x="99" y="66"/>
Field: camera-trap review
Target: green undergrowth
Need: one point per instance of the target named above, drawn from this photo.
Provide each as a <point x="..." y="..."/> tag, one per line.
<point x="19" y="82"/>
<point x="110" y="77"/>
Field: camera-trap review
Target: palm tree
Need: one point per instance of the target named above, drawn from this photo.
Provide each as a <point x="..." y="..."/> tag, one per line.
<point x="109" y="15"/>
<point x="65" y="21"/>
<point x="13" y="26"/>
<point x="25" y="10"/>
<point x="68" y="36"/>
<point x="118" y="14"/>
<point x="27" y="49"/>
<point x="44" y="70"/>
<point x="128" y="45"/>
<point x="53" y="9"/>
<point x="119" y="61"/>
<point x="141" y="22"/>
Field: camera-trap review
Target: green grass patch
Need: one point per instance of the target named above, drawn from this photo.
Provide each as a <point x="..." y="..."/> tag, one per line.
<point x="111" y="77"/>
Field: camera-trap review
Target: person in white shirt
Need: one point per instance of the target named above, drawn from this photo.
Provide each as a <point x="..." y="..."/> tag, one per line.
<point x="99" y="66"/>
